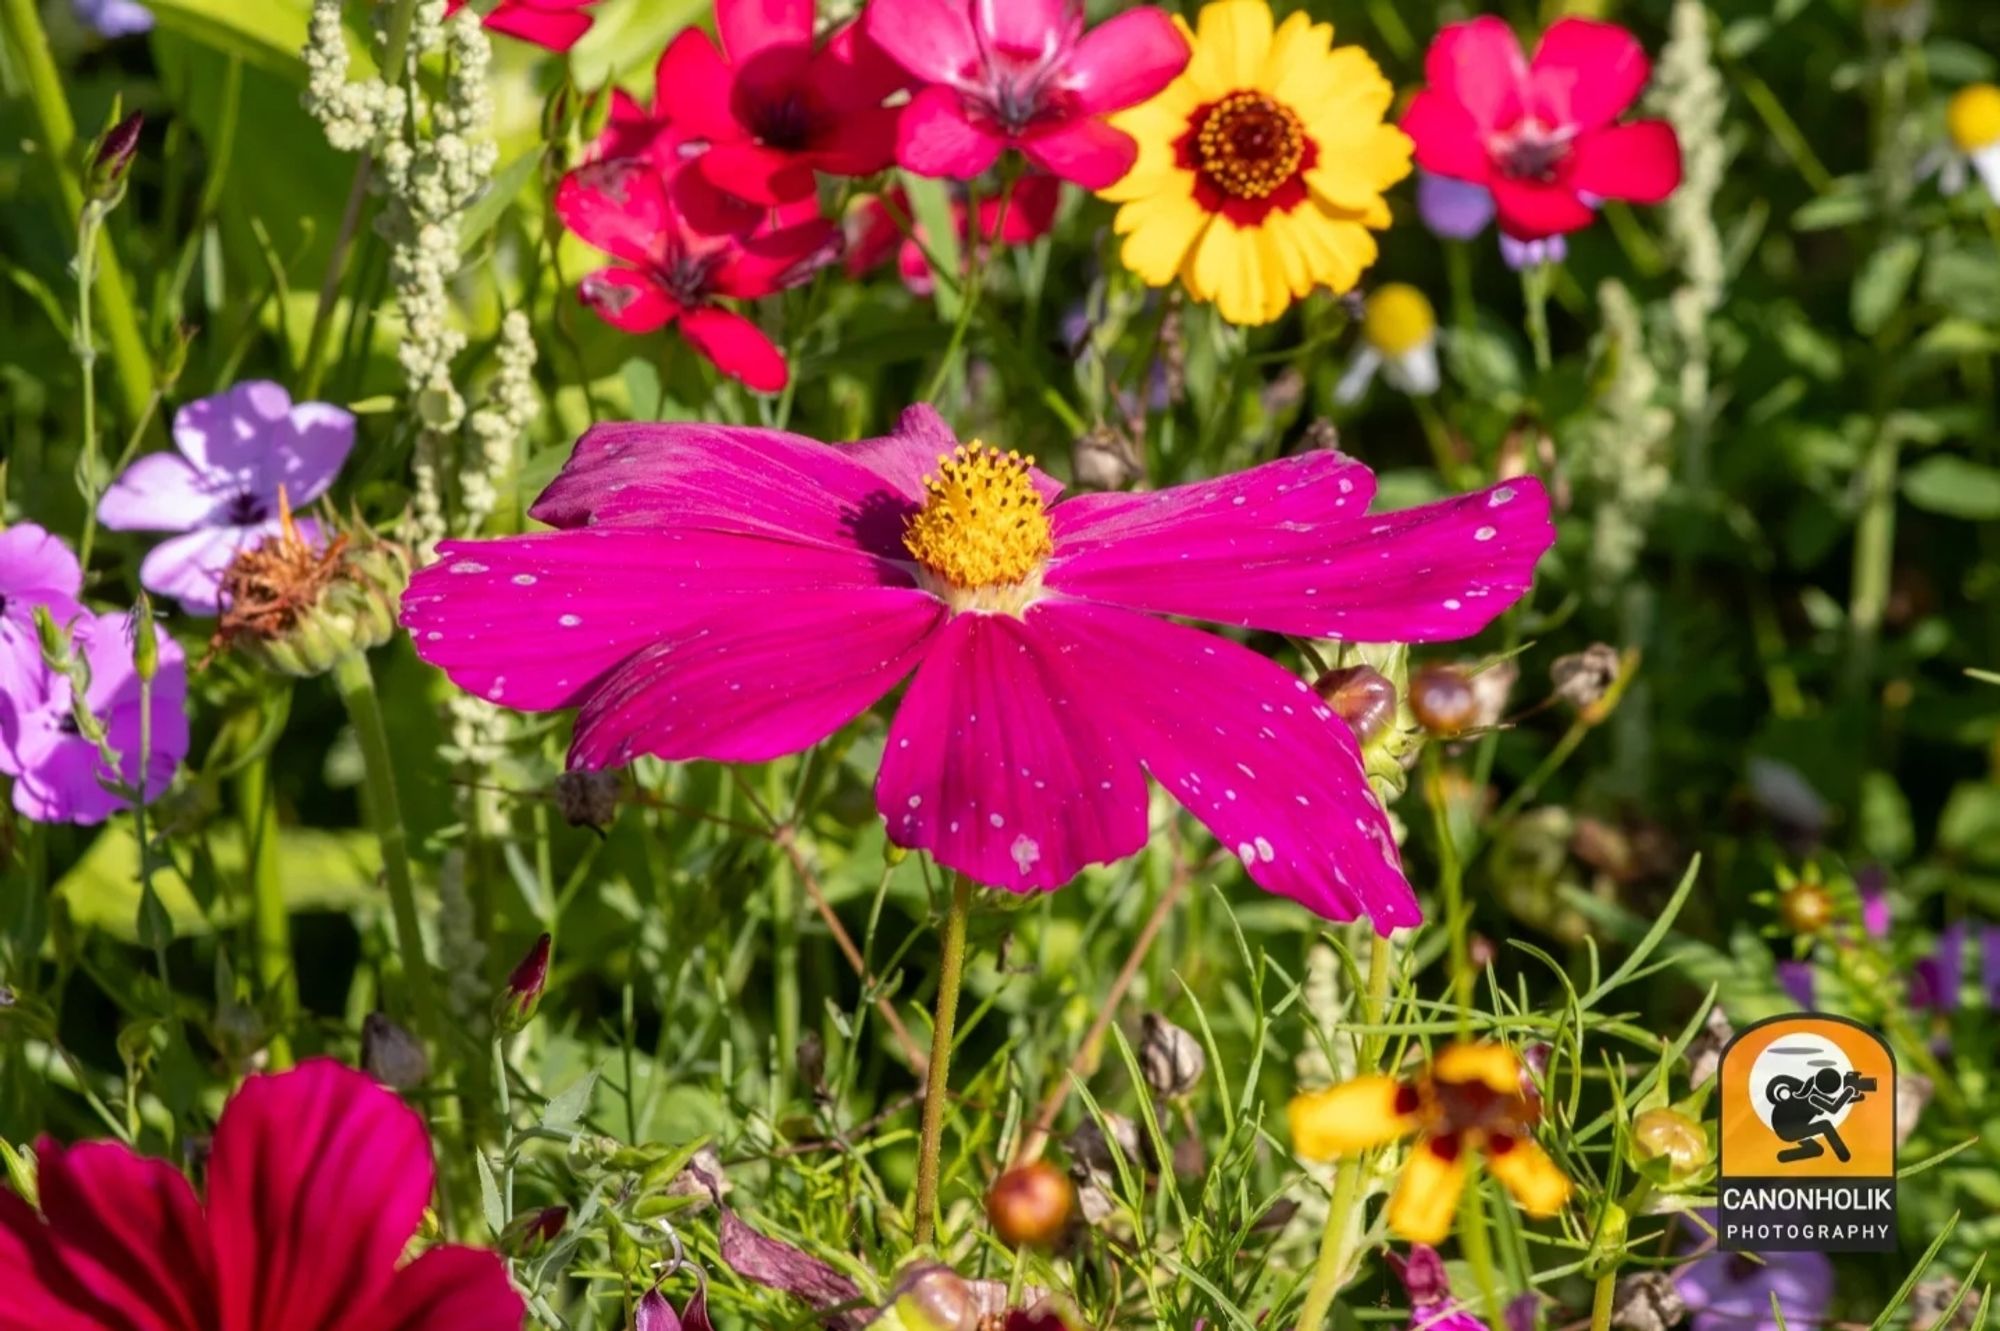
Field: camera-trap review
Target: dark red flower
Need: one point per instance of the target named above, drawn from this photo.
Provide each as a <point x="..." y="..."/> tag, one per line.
<point x="318" y="1180"/>
<point x="883" y="225"/>
<point x="1542" y="134"/>
<point x="554" y="24"/>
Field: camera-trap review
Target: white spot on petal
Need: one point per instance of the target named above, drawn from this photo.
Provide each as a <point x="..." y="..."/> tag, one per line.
<point x="524" y="579"/>
<point x="1025" y="850"/>
<point x="1485" y="534"/>
<point x="569" y="621"/>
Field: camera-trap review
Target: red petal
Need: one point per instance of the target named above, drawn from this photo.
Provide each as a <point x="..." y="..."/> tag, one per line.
<point x="696" y="87"/>
<point x="555" y="31"/>
<point x="446" y="1289"/>
<point x="627" y="299"/>
<point x="1086" y="152"/>
<point x="737" y="347"/>
<point x="1448" y="142"/>
<point x="1031" y="211"/>
<point x="859" y="142"/>
<point x="619" y="206"/>
<point x="935" y="138"/>
<point x="853" y="72"/>
<point x="1479" y="65"/>
<point x="1585" y="73"/>
<point x="748" y="27"/>
<point x="774" y="260"/>
<point x="1640" y="162"/>
<point x="1125" y="60"/>
<point x="932" y="39"/>
<point x="129" y="1231"/>
<point x="759" y="174"/>
<point x="1532" y="211"/>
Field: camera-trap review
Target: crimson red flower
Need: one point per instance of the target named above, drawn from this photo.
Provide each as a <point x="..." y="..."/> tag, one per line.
<point x="883" y="225"/>
<point x="317" y="1182"/>
<point x="554" y="24"/>
<point x="683" y="244"/>
<point x="770" y="108"/>
<point x="1542" y="134"/>
<point x="1023" y="74"/>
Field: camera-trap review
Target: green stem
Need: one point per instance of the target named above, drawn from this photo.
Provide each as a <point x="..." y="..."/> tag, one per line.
<point x="356" y="685"/>
<point x="270" y="920"/>
<point x="1600" y="1301"/>
<point x="1535" y="289"/>
<point x="1343" y="1215"/>
<point x="1478" y="1249"/>
<point x="1451" y="885"/>
<point x="22" y="24"/>
<point x="937" y="1082"/>
<point x="1874" y="551"/>
<point x="969" y="304"/>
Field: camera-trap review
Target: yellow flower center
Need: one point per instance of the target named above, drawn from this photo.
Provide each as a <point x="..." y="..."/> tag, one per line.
<point x="1974" y="117"/>
<point x="1250" y="144"/>
<point x="1397" y="319"/>
<point x="982" y="525"/>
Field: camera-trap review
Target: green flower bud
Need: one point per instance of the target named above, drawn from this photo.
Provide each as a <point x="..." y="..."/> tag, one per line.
<point x="1668" y="1143"/>
<point x="145" y="641"/>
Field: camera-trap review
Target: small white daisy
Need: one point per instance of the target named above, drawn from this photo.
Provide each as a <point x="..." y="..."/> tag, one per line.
<point x="1398" y="338"/>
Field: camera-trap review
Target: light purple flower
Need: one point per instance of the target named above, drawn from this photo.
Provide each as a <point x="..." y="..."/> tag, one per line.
<point x="36" y="568"/>
<point x="1731" y="1291"/>
<point x="221" y="490"/>
<point x="112" y="19"/>
<point x="60" y="775"/>
<point x="1521" y="254"/>
<point x="1453" y="209"/>
<point x="1796" y="977"/>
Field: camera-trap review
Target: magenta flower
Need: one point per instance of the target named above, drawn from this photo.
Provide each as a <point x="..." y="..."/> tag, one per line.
<point x="1023" y="74"/>
<point x="318" y="1180"/>
<point x="221" y="490"/>
<point x="36" y="569"/>
<point x="740" y="594"/>
<point x="60" y="774"/>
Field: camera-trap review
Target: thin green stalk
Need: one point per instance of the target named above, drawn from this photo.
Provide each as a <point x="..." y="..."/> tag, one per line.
<point x="89" y="462"/>
<point x="270" y="920"/>
<point x="1535" y="290"/>
<point x="356" y="685"/>
<point x="981" y="253"/>
<point x="1600" y="1301"/>
<point x="1874" y="552"/>
<point x="1451" y="885"/>
<point x="1478" y="1249"/>
<point x="22" y="24"/>
<point x="937" y="1082"/>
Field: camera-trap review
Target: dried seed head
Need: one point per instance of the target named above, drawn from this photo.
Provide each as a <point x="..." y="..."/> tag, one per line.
<point x="1106" y="459"/>
<point x="1171" y="1059"/>
<point x="1443" y="701"/>
<point x="1582" y="678"/>
<point x="1704" y="1054"/>
<point x="1362" y="696"/>
<point x="1647" y="1301"/>
<point x="1030" y="1205"/>
<point x="1491" y="689"/>
<point x="296" y="607"/>
<point x="1090" y="1145"/>
<point x="392" y="1055"/>
<point x="1322" y="436"/>
<point x="588" y="799"/>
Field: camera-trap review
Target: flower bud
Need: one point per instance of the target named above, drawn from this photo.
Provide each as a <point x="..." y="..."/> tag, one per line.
<point x="111" y="159"/>
<point x="596" y="114"/>
<point x="391" y="1055"/>
<point x="1581" y="679"/>
<point x="523" y="994"/>
<point x="1671" y="1136"/>
<point x="1443" y="701"/>
<point x="1030" y="1205"/>
<point x="1362" y="696"/>
<point x="936" y="1298"/>
<point x="531" y="1231"/>
<point x="145" y="641"/>
<point x="1171" y="1059"/>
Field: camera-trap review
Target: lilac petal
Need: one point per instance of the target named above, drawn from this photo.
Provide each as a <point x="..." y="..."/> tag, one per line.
<point x="1454" y="209"/>
<point x="995" y="765"/>
<point x="1521" y="254"/>
<point x="112" y="19"/>
<point x="778" y="1265"/>
<point x="1989" y="964"/>
<point x="753" y="684"/>
<point x="1251" y="751"/>
<point x="308" y="451"/>
<point x="531" y="622"/>
<point x="189" y="568"/>
<point x="35" y="564"/>
<point x="230" y="435"/>
<point x="904" y="457"/>
<point x="1283" y="547"/>
<point x="161" y="492"/>
<point x="61" y="786"/>
<point x="1796" y="978"/>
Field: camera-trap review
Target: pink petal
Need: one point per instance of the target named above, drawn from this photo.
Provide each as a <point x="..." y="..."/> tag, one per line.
<point x="932" y="39"/>
<point x="758" y="680"/>
<point x="777" y="260"/>
<point x="36" y="565"/>
<point x="1297" y="555"/>
<point x="318" y="1179"/>
<point x="1529" y="210"/>
<point x="1479" y="65"/>
<point x="935" y="138"/>
<point x="1029" y="30"/>
<point x="531" y="622"/>
<point x="619" y="206"/>
<point x="446" y="1289"/>
<point x="998" y="764"/>
<point x="737" y="346"/>
<point x="1585" y="73"/>
<point x="904" y="457"/>
<point x="698" y="85"/>
<point x="1640" y="162"/>
<point x="552" y="30"/>
<point x="759" y="174"/>
<point x="753" y="27"/>
<point x="1125" y="60"/>
<point x="852" y="72"/>
<point x="159" y="492"/>
<point x="1448" y="140"/>
<point x="129" y="1231"/>
<point x="1250" y="750"/>
<point x="1086" y="152"/>
<point x="40" y="1294"/>
<point x="627" y="299"/>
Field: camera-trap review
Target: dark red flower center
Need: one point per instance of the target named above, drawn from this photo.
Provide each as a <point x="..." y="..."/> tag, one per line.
<point x="1250" y="145"/>
<point x="785" y="123"/>
<point x="1532" y="151"/>
<point x="67" y="724"/>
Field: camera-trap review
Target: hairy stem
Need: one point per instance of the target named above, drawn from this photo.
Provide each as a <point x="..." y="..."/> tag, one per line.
<point x="937" y="1082"/>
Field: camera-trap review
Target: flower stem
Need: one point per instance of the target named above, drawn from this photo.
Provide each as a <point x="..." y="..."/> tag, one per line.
<point x="271" y="923"/>
<point x="1535" y="289"/>
<point x="937" y="1082"/>
<point x="1600" y="1301"/>
<point x="1343" y="1215"/>
<point x="1478" y="1248"/>
<point x="1874" y="552"/>
<point x="356" y="684"/>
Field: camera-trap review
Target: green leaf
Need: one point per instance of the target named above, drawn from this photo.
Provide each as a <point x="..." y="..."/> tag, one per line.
<point x="268" y="33"/>
<point x="930" y="211"/>
<point x="1955" y="487"/>
<point x="1886" y="829"/>
<point x="489" y="1196"/>
<point x="569" y="1106"/>
<point x="1883" y="282"/>
<point x="487" y="210"/>
<point x="1848" y="203"/>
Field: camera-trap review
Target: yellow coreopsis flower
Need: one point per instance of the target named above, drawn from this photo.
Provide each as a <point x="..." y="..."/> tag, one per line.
<point x="1261" y="168"/>
<point x="1471" y="1100"/>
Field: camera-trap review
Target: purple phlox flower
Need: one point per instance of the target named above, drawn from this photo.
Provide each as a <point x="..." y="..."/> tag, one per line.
<point x="112" y="19"/>
<point x="220" y="490"/>
<point x="1432" y="1308"/>
<point x="1461" y="210"/>
<point x="36" y="569"/>
<point x="60" y="775"/>
<point x="1796" y="977"/>
<point x="1731" y="1291"/>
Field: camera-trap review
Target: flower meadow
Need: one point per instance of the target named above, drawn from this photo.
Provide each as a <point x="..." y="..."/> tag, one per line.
<point x="987" y="665"/>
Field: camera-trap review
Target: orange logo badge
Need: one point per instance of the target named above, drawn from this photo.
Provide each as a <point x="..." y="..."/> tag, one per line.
<point x="1808" y="1138"/>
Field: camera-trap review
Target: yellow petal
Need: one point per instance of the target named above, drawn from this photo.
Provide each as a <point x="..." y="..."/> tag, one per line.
<point x="1354" y="176"/>
<point x="1159" y="231"/>
<point x="1427" y="1198"/>
<point x="1350" y="1117"/>
<point x="1493" y="1064"/>
<point x="1333" y="89"/>
<point x="1282" y="246"/>
<point x="1525" y="1168"/>
<point x="1233" y="39"/>
<point x="1299" y="42"/>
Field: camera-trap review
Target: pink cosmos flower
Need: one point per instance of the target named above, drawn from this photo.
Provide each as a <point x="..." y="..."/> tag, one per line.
<point x="683" y="245"/>
<point x="555" y="25"/>
<point x="237" y="450"/>
<point x="1542" y="135"/>
<point x="772" y="109"/>
<point x="740" y="594"/>
<point x="877" y="229"/>
<point x="316" y="1184"/>
<point x="1023" y="74"/>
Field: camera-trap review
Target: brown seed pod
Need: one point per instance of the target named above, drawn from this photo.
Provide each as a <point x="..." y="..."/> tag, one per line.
<point x="1362" y="696"/>
<point x="1030" y="1205"/>
<point x="1443" y="700"/>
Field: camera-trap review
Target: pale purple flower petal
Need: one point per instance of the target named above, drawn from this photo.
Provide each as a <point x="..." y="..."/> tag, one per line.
<point x="1731" y="1291"/>
<point x="1250" y="750"/>
<point x="1935" y="979"/>
<point x="1454" y="209"/>
<point x="1000" y="764"/>
<point x="1520" y="254"/>
<point x="1284" y="547"/>
<point x="112" y="19"/>
<point x="36" y="569"/>
<point x="308" y="451"/>
<point x="162" y="492"/>
<point x="1796" y="979"/>
<point x="227" y="434"/>
<point x="189" y="568"/>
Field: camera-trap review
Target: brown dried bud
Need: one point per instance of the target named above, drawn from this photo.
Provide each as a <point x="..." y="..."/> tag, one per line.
<point x="1106" y="459"/>
<point x="1582" y="678"/>
<point x="1704" y="1053"/>
<point x="1647" y="1301"/>
<point x="1171" y="1059"/>
<point x="391" y="1055"/>
<point x="1931" y="1299"/>
<point x="1090" y="1145"/>
<point x="1491" y="688"/>
<point x="1362" y="696"/>
<point x="1322" y="436"/>
<point x="1030" y="1205"/>
<point x="1913" y="1095"/>
<point x="588" y="799"/>
<point x="1668" y="1134"/>
<point x="1443" y="701"/>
